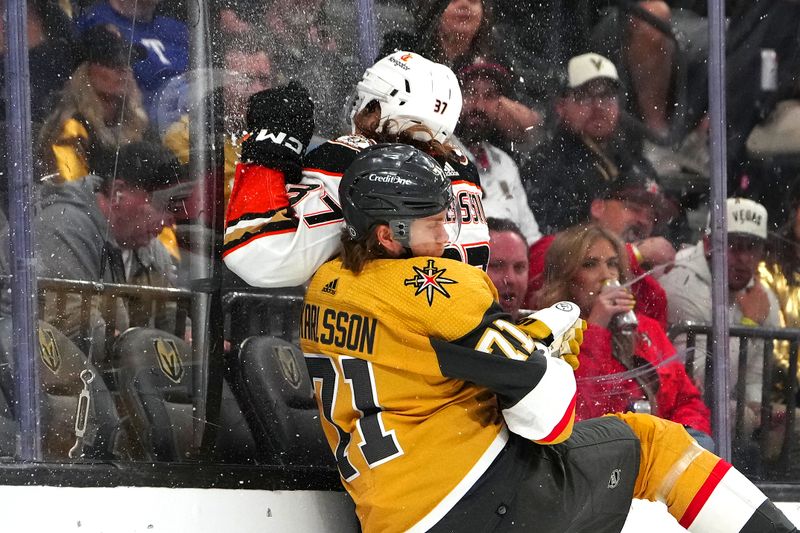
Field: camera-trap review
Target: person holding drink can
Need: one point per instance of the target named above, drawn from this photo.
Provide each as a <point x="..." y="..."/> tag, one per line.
<point x="629" y="363"/>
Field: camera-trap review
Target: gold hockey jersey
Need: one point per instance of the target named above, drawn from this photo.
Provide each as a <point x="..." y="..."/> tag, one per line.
<point x="419" y="375"/>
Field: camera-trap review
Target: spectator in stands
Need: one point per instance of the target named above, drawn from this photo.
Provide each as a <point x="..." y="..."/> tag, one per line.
<point x="644" y="50"/>
<point x="49" y="56"/>
<point x="508" y="263"/>
<point x="248" y="70"/>
<point x="621" y="369"/>
<point x="483" y="85"/>
<point x="100" y="108"/>
<point x="588" y="149"/>
<point x="103" y="229"/>
<point x="648" y="54"/>
<point x="165" y="40"/>
<point x="780" y="269"/>
<point x="304" y="48"/>
<point x="458" y="34"/>
<point x="688" y="288"/>
<point x="629" y="208"/>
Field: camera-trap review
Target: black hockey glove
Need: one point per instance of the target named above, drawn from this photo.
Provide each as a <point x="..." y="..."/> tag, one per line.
<point x="280" y="122"/>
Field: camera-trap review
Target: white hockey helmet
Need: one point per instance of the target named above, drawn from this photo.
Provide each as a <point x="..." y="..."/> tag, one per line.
<point x="411" y="90"/>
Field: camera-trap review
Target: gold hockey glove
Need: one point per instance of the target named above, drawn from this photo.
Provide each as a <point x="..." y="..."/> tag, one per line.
<point x="558" y="331"/>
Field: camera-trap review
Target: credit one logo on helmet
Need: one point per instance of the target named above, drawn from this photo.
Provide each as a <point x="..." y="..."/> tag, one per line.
<point x="389" y="178"/>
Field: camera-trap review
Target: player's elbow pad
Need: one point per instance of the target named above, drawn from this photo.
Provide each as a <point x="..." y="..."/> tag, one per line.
<point x="547" y="412"/>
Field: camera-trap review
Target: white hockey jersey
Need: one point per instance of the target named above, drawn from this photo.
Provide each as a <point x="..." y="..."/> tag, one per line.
<point x="272" y="245"/>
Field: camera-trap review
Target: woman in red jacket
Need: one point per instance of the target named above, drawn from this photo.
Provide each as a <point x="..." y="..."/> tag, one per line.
<point x="620" y="370"/>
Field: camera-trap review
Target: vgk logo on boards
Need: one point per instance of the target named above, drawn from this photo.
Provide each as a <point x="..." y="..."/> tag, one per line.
<point x="288" y="365"/>
<point x="169" y="359"/>
<point x="429" y="280"/>
<point x="51" y="356"/>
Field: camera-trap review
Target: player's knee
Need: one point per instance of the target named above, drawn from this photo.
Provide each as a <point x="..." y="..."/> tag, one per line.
<point x="652" y="430"/>
<point x="667" y="453"/>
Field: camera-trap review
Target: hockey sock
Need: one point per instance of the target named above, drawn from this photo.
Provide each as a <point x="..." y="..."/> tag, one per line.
<point x="703" y="492"/>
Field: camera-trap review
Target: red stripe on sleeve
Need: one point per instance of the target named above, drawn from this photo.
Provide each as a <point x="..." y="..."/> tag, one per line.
<point x="562" y="424"/>
<point x="700" y="499"/>
<point x="256" y="189"/>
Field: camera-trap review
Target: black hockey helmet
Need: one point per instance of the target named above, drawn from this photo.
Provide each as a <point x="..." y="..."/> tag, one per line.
<point x="392" y="184"/>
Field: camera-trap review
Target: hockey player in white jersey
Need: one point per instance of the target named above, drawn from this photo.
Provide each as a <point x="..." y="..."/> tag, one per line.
<point x="284" y="218"/>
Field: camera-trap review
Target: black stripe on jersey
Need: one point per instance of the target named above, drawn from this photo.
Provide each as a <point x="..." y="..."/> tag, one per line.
<point x="330" y="157"/>
<point x="510" y="379"/>
<point x="270" y="227"/>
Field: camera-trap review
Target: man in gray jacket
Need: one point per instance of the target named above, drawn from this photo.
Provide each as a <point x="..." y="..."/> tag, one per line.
<point x="102" y="230"/>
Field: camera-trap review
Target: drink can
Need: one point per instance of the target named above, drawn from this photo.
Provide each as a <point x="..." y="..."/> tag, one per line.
<point x="625" y="322"/>
<point x="640" y="406"/>
<point x="769" y="69"/>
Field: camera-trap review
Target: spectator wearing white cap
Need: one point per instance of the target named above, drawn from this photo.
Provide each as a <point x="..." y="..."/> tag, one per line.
<point x="751" y="302"/>
<point x="588" y="150"/>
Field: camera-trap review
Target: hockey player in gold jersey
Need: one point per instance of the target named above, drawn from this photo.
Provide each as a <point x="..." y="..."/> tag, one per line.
<point x="445" y="415"/>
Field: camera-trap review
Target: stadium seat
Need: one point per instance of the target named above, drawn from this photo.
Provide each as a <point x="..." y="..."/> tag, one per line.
<point x="8" y="430"/>
<point x="153" y="371"/>
<point x="272" y="381"/>
<point x="60" y="364"/>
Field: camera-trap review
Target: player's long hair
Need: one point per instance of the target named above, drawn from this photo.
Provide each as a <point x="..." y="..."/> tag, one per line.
<point x="356" y="253"/>
<point x="388" y="133"/>
<point x="561" y="265"/>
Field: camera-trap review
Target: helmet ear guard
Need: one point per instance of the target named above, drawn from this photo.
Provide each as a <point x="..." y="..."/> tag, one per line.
<point x="411" y="90"/>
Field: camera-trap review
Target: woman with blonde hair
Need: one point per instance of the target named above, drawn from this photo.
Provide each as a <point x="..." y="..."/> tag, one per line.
<point x="100" y="108"/>
<point x="631" y="368"/>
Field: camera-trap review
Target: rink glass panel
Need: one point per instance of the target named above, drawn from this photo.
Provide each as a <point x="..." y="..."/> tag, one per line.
<point x="168" y="386"/>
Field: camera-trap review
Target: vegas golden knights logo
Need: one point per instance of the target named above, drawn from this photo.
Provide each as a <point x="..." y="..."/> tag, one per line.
<point x="430" y="281"/>
<point x="169" y="359"/>
<point x="288" y="365"/>
<point x="48" y="349"/>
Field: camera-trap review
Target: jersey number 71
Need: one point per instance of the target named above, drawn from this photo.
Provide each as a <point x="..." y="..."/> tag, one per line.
<point x="377" y="445"/>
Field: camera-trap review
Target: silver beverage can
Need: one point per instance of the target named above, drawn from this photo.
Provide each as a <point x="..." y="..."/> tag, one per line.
<point x="769" y="69"/>
<point x="624" y="322"/>
<point x="640" y="406"/>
